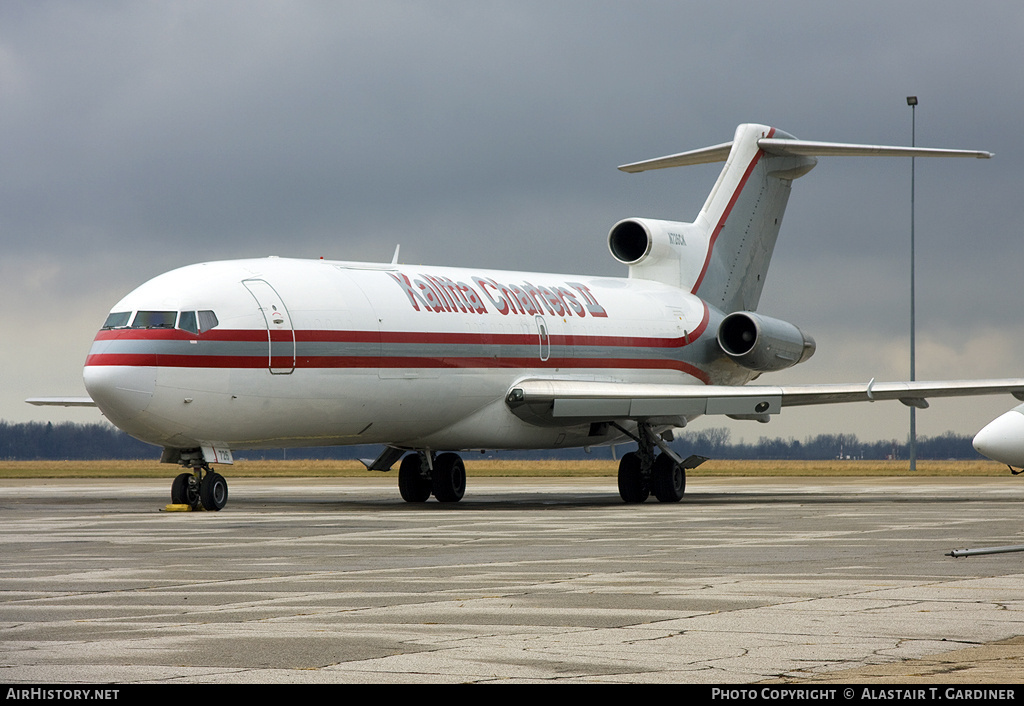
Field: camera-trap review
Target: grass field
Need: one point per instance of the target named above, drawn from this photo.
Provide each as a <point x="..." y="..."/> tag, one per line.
<point x="492" y="468"/>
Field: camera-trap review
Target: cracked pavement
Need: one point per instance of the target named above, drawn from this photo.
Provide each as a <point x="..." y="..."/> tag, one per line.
<point x="526" y="580"/>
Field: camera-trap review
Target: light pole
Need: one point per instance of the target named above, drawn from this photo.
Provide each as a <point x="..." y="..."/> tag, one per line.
<point x="912" y="102"/>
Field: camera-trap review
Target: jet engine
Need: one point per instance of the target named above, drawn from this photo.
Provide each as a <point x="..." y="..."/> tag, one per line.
<point x="761" y="343"/>
<point x="664" y="251"/>
<point x="634" y="240"/>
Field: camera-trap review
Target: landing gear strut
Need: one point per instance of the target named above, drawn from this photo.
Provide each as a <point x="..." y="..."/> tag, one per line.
<point x="202" y="488"/>
<point x="641" y="472"/>
<point x="421" y="475"/>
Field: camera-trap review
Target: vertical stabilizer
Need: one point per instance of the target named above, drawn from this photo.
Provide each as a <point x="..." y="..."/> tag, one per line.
<point x="742" y="216"/>
<point x="723" y="256"/>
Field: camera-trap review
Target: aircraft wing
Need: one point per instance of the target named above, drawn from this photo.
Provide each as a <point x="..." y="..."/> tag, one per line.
<point x="61" y="401"/>
<point x="547" y="402"/>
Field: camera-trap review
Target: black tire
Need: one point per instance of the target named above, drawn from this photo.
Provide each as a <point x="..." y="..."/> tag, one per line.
<point x="668" y="479"/>
<point x="633" y="486"/>
<point x="413" y="486"/>
<point x="213" y="492"/>
<point x="449" y="478"/>
<point x="185" y="490"/>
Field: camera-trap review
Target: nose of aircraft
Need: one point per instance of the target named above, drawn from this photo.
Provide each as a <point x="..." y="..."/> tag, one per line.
<point x="1002" y="439"/>
<point x="121" y="392"/>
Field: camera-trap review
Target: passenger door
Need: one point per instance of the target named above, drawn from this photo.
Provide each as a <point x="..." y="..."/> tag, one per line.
<point x="280" y="332"/>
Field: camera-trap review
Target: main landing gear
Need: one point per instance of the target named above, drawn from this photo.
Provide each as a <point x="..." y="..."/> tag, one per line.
<point x="641" y="472"/>
<point x="202" y="488"/>
<point x="421" y="475"/>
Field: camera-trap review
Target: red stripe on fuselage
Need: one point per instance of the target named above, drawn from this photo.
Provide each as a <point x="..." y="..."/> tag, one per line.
<point x="388" y="362"/>
<point x="258" y="361"/>
<point x="173" y="334"/>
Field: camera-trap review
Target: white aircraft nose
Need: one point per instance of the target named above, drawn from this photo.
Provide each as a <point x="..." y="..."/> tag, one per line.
<point x="1002" y="439"/>
<point x="121" y="392"/>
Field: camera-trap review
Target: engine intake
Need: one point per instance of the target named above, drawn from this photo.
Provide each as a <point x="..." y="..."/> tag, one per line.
<point x="630" y="241"/>
<point x="762" y="343"/>
<point x="663" y="251"/>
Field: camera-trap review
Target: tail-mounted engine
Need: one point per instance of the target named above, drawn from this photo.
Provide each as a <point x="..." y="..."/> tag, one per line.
<point x="761" y="343"/>
<point x="663" y="251"/>
<point x="632" y="240"/>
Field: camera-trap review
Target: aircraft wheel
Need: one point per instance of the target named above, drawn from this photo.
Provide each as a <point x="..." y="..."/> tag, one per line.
<point x="185" y="490"/>
<point x="411" y="483"/>
<point x="449" y="478"/>
<point x="633" y="486"/>
<point x="668" y="479"/>
<point x="213" y="491"/>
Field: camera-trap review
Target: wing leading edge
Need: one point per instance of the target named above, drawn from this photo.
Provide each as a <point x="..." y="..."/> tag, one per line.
<point x="548" y="402"/>
<point x="61" y="401"/>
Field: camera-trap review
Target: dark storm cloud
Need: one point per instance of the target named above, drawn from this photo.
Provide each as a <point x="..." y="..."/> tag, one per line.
<point x="143" y="136"/>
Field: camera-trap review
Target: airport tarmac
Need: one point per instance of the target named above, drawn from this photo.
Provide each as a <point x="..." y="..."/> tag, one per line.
<point x="525" y="580"/>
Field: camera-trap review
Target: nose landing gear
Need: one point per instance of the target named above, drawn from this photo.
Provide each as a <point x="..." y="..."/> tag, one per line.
<point x="185" y="491"/>
<point x="202" y="488"/>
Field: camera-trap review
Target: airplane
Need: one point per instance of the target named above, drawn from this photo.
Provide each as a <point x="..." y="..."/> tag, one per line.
<point x="429" y="361"/>
<point x="1002" y="439"/>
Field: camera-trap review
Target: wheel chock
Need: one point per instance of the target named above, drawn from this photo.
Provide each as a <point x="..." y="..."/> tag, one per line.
<point x="177" y="508"/>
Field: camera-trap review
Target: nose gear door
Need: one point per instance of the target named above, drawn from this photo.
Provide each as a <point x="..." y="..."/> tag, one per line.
<point x="280" y="333"/>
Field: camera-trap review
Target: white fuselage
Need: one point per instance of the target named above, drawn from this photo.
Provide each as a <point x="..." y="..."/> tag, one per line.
<point x="1002" y="439"/>
<point x="315" y="352"/>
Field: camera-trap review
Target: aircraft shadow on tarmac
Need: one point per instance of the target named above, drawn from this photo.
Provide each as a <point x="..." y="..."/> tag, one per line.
<point x="540" y="500"/>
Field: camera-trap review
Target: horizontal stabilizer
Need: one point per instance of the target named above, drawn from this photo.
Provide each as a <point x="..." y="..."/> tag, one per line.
<point x="61" y="401"/>
<point x="705" y="155"/>
<point x="805" y="148"/>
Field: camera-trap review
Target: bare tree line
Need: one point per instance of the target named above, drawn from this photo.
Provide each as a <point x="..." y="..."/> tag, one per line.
<point x="71" y="441"/>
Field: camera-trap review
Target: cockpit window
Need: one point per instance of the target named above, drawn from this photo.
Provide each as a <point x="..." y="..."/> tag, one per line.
<point x="207" y="321"/>
<point x="155" y="319"/>
<point x="192" y="321"/>
<point x="197" y="321"/>
<point x="187" y="322"/>
<point x="117" y="319"/>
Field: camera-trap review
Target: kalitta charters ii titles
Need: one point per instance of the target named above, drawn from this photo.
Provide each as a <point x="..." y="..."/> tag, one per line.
<point x="440" y="294"/>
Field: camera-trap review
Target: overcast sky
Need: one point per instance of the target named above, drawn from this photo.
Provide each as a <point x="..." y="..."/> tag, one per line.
<point x="142" y="136"/>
